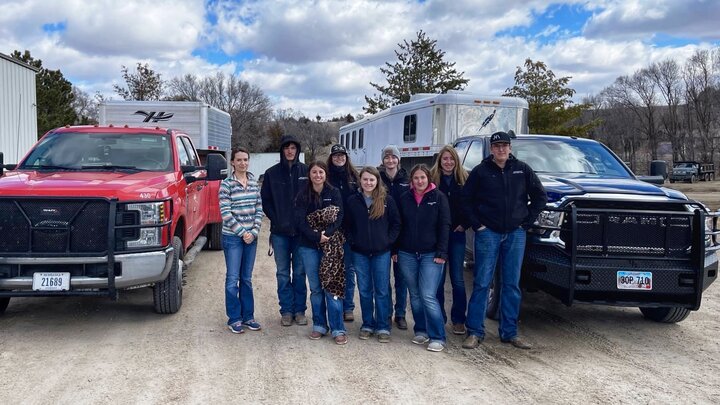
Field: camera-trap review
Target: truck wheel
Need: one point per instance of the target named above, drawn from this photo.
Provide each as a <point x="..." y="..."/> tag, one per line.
<point x="672" y="181"/>
<point x="214" y="236"/>
<point x="665" y="314"/>
<point x="4" y="301"/>
<point x="167" y="294"/>
<point x="693" y="179"/>
<point x="493" y="303"/>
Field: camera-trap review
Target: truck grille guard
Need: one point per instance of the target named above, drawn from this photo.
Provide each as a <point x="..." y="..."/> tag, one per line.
<point x="589" y="232"/>
<point x="41" y="227"/>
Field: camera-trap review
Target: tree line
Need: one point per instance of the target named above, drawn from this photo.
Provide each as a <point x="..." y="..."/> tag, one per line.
<point x="667" y="103"/>
<point x="636" y="115"/>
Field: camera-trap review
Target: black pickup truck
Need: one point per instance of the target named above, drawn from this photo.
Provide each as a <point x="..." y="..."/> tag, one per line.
<point x="605" y="236"/>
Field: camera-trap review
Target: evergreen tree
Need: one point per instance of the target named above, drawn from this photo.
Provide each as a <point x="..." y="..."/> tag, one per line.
<point x="420" y="68"/>
<point x="550" y="101"/>
<point x="54" y="95"/>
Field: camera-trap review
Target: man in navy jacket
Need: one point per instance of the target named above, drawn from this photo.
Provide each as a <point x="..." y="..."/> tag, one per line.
<point x="281" y="184"/>
<point x="496" y="197"/>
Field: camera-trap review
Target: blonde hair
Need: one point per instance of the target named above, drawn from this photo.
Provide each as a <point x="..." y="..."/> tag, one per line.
<point x="377" y="208"/>
<point x="459" y="172"/>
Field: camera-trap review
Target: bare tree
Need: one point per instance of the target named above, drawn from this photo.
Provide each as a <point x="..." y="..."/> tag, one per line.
<point x="85" y="106"/>
<point x="185" y="88"/>
<point x="700" y="75"/>
<point x="667" y="79"/>
<point x="144" y="84"/>
<point x="249" y="108"/>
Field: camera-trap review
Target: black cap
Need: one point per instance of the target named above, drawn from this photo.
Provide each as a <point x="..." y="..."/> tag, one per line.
<point x="499" y="137"/>
<point x="337" y="148"/>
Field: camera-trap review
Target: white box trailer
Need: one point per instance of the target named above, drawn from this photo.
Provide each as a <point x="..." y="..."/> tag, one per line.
<point x="422" y="126"/>
<point x="260" y="162"/>
<point x="207" y="126"/>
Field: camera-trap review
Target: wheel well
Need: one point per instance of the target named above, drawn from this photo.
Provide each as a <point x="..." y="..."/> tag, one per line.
<point x="179" y="230"/>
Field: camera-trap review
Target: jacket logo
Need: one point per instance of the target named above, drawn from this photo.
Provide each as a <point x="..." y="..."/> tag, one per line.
<point x="303" y="178"/>
<point x="327" y="199"/>
<point x="154" y="116"/>
<point x="518" y="172"/>
<point x="432" y="203"/>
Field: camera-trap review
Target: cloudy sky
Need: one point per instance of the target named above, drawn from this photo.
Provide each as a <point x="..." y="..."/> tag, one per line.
<point x="317" y="57"/>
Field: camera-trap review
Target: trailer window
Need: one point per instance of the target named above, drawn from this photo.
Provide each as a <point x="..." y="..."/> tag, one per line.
<point x="342" y="139"/>
<point x="361" y="138"/>
<point x="354" y="134"/>
<point x="347" y="140"/>
<point x="410" y="128"/>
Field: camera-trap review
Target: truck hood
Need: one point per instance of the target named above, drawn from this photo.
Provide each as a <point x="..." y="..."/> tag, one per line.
<point x="559" y="186"/>
<point x="121" y="185"/>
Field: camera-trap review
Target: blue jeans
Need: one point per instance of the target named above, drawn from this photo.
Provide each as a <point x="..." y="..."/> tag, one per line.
<point x="325" y="307"/>
<point x="422" y="276"/>
<point x="401" y="291"/>
<point x="291" y="287"/>
<point x="373" y="277"/>
<point x="456" y="259"/>
<point x="509" y="247"/>
<point x="239" y="260"/>
<point x="349" y="301"/>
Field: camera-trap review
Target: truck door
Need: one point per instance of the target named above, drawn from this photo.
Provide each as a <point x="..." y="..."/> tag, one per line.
<point x="194" y="192"/>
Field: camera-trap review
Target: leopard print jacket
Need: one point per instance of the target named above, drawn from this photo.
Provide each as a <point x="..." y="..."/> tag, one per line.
<point x="332" y="264"/>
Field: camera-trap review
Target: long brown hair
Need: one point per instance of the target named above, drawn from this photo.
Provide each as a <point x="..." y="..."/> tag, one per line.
<point x="310" y="193"/>
<point x="459" y="173"/>
<point x="379" y="195"/>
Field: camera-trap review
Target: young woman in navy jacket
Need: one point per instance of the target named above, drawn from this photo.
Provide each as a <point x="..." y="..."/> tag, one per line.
<point x="422" y="252"/>
<point x="372" y="224"/>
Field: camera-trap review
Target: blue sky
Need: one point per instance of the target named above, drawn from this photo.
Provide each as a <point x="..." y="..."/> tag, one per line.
<point x="318" y="57"/>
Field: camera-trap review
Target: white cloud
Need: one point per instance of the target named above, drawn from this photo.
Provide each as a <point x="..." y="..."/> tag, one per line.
<point x="318" y="57"/>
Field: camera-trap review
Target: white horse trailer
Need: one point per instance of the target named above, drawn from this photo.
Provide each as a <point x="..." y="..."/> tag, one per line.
<point x="422" y="126"/>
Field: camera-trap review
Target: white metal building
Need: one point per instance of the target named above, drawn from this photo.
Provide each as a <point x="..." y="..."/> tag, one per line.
<point x="18" y="113"/>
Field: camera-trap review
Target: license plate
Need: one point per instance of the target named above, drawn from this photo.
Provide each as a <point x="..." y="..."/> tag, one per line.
<point x="51" y="281"/>
<point x="634" y="280"/>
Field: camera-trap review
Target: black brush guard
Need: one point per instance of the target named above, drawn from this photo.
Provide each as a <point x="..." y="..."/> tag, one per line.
<point x="671" y="243"/>
<point x="25" y="233"/>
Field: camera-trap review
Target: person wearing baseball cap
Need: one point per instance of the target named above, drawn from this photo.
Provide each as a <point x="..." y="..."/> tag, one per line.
<point x="397" y="182"/>
<point x="496" y="196"/>
<point x="343" y="176"/>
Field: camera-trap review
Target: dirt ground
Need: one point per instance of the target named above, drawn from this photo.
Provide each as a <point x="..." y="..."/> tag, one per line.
<point x="91" y="350"/>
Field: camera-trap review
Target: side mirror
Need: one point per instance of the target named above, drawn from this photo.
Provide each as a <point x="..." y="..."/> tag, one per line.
<point x="216" y="167"/>
<point x="659" y="180"/>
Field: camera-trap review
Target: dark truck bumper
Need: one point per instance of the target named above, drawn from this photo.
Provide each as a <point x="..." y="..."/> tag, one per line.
<point x="680" y="273"/>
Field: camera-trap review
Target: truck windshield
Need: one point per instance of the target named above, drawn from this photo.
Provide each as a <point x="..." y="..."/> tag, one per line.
<point x="558" y="157"/>
<point x="571" y="156"/>
<point x="100" y="151"/>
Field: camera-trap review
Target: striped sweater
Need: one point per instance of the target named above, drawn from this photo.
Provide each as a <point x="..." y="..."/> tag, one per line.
<point x="240" y="207"/>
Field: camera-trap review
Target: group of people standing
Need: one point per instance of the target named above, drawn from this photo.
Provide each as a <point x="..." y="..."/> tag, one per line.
<point x="340" y="228"/>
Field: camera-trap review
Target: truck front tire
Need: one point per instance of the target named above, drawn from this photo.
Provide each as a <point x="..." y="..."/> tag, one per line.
<point x="167" y="294"/>
<point x="4" y="301"/>
<point x="665" y="314"/>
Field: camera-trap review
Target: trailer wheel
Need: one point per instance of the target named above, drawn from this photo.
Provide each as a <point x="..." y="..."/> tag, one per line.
<point x="493" y="303"/>
<point x="167" y="294"/>
<point x="4" y="301"/>
<point x="693" y="179"/>
<point x="665" y="314"/>
<point x="214" y="236"/>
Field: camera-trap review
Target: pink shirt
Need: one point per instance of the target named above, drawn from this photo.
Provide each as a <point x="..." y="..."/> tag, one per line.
<point x="418" y="197"/>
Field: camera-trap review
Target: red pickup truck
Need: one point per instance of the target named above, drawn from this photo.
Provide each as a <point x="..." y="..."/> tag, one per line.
<point x="91" y="210"/>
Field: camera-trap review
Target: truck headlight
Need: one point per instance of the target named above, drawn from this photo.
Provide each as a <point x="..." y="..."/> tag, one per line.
<point x="549" y="219"/>
<point x="149" y="237"/>
<point x="153" y="215"/>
